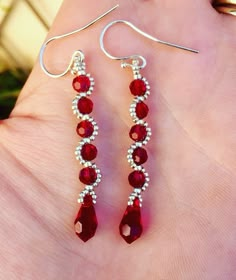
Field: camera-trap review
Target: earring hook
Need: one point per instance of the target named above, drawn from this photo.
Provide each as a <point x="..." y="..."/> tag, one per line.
<point x="135" y="57"/>
<point x="42" y="50"/>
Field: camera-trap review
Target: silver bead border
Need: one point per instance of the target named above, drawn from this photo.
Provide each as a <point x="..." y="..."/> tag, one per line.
<point x="79" y="69"/>
<point x="137" y="191"/>
<point x="79" y="96"/>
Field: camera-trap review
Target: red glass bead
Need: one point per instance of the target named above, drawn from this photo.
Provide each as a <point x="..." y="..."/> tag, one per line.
<point x="85" y="129"/>
<point x="136" y="179"/>
<point x="81" y="83"/>
<point x="86" y="220"/>
<point x="139" y="156"/>
<point x="141" y="110"/>
<point x="88" y="152"/>
<point x="138" y="87"/>
<point x="85" y="105"/>
<point x="88" y="200"/>
<point x="131" y="224"/>
<point x="138" y="132"/>
<point x="88" y="175"/>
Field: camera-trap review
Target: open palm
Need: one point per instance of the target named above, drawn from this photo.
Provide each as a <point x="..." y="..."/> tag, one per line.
<point x="189" y="209"/>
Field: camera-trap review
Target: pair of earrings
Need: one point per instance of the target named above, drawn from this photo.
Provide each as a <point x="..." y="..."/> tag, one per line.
<point x="86" y="152"/>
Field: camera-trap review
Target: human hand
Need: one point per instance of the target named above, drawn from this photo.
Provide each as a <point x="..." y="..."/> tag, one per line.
<point x="189" y="209"/>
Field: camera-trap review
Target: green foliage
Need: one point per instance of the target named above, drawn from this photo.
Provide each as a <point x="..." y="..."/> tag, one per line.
<point x="11" y="83"/>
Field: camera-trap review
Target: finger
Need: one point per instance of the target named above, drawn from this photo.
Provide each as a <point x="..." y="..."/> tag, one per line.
<point x="46" y="96"/>
<point x="227" y="10"/>
<point x="172" y="18"/>
<point x="43" y="95"/>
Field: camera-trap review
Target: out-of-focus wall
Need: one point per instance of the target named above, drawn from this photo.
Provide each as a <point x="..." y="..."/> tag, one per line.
<point x="23" y="27"/>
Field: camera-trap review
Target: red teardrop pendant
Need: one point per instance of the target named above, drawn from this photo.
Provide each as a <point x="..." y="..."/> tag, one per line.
<point x="86" y="220"/>
<point x="131" y="224"/>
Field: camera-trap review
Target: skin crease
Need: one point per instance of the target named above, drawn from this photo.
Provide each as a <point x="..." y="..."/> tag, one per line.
<point x="189" y="210"/>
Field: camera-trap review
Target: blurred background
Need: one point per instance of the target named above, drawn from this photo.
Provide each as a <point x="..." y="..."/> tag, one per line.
<point x="23" y="27"/>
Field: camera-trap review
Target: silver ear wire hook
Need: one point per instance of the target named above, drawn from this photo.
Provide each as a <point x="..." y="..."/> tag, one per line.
<point x="135" y="57"/>
<point x="42" y="50"/>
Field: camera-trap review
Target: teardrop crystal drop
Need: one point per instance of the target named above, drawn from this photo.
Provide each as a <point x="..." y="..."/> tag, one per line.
<point x="86" y="220"/>
<point x="131" y="224"/>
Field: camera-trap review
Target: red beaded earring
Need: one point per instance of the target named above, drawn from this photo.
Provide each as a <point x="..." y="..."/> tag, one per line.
<point x="85" y="223"/>
<point x="131" y="223"/>
<point x="86" y="152"/>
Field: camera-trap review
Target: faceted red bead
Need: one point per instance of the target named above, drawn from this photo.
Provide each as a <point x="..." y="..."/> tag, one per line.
<point x="85" y="129"/>
<point x="88" y="200"/>
<point x="131" y="224"/>
<point x="141" y="110"/>
<point x="138" y="132"/>
<point x="136" y="202"/>
<point x="81" y="83"/>
<point x="88" y="152"/>
<point x="86" y="220"/>
<point x="88" y="175"/>
<point x="85" y="105"/>
<point x="138" y="87"/>
<point x="136" y="179"/>
<point x="139" y="156"/>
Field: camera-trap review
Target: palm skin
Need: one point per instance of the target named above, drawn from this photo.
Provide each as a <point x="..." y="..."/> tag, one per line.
<point x="189" y="209"/>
